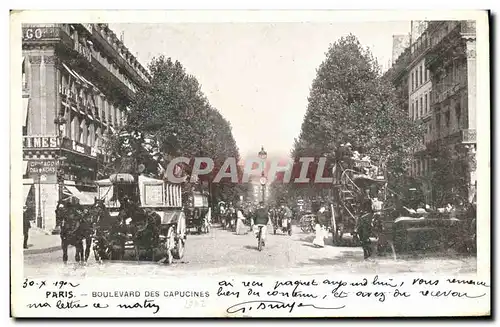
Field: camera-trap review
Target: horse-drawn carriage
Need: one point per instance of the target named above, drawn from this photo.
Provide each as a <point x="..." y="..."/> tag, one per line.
<point x="355" y="188"/>
<point x="139" y="217"/>
<point x="196" y="209"/>
<point x="363" y="204"/>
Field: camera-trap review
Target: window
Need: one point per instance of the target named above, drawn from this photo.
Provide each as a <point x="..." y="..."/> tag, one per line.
<point x="438" y="122"/>
<point x="425" y="103"/>
<point x="458" y="114"/>
<point x="80" y="131"/>
<point x="420" y="74"/>
<point x="416" y="109"/>
<point x="421" y="107"/>
<point x="23" y="70"/>
<point x="412" y="81"/>
<point x="426" y="74"/>
<point x="447" y="118"/>
<point x="412" y="111"/>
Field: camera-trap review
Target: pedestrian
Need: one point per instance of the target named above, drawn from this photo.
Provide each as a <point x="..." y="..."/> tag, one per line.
<point x="26" y="226"/>
<point x="240" y="225"/>
<point x="319" y="235"/>
<point x="262" y="219"/>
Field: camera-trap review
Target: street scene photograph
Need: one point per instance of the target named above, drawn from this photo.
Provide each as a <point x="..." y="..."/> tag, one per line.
<point x="258" y="148"/>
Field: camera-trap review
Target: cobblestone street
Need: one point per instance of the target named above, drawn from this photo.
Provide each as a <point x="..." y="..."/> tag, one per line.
<point x="222" y="252"/>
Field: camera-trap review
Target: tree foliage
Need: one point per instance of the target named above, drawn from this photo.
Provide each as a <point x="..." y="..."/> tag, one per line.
<point x="350" y="102"/>
<point x="171" y="118"/>
<point x="449" y="174"/>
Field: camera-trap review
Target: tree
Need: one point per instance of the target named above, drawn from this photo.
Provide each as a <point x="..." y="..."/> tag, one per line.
<point x="449" y="175"/>
<point x="170" y="118"/>
<point x="350" y="102"/>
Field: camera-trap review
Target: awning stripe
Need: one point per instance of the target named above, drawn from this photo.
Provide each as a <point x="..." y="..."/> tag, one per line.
<point x="26" y="102"/>
<point x="71" y="72"/>
<point x="25" y="167"/>
<point x="83" y="197"/>
<point x="26" y="191"/>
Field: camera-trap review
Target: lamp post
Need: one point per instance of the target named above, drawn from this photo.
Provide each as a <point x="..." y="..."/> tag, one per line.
<point x="263" y="179"/>
<point x="38" y="167"/>
<point x="60" y="121"/>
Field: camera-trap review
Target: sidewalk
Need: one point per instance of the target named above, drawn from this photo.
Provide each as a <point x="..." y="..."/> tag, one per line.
<point x="40" y="241"/>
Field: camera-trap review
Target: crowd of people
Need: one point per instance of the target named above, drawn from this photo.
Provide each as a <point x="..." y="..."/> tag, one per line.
<point x="351" y="158"/>
<point x="244" y="218"/>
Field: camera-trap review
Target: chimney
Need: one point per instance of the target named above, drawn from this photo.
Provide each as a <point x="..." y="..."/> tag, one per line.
<point x="122" y="36"/>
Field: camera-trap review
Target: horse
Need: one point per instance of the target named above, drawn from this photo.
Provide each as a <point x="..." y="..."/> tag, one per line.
<point x="103" y="223"/>
<point x="87" y="231"/>
<point x="147" y="232"/>
<point x="70" y="220"/>
<point x="370" y="224"/>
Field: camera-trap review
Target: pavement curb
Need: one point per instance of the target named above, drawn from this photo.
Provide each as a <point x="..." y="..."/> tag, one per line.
<point x="44" y="250"/>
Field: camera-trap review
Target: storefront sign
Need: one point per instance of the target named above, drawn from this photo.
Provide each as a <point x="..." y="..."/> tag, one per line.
<point x="40" y="142"/>
<point x="79" y="147"/>
<point x="43" y="171"/>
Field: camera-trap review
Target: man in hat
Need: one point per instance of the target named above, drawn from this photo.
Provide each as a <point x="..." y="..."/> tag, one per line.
<point x="26" y="225"/>
<point x="261" y="218"/>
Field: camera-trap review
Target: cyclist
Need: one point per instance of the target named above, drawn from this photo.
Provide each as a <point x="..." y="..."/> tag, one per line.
<point x="261" y="219"/>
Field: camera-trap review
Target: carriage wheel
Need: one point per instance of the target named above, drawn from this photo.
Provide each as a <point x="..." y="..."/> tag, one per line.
<point x="136" y="250"/>
<point x="179" y="240"/>
<point x="355" y="239"/>
<point x="169" y="244"/>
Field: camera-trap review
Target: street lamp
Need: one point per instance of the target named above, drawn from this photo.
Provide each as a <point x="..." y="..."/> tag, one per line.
<point x="60" y="121"/>
<point x="38" y="168"/>
<point x="263" y="179"/>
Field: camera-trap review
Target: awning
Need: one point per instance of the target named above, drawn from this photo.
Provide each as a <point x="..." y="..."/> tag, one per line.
<point x="89" y="197"/>
<point x="81" y="196"/>
<point x="84" y="81"/>
<point x="25" y="167"/>
<point x="26" y="191"/>
<point x="26" y="102"/>
<point x="72" y="73"/>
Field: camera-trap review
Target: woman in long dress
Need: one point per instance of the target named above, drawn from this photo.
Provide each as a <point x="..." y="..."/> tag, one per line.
<point x="319" y="230"/>
<point x="240" y="226"/>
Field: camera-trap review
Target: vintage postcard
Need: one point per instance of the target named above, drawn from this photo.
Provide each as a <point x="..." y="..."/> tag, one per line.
<point x="250" y="164"/>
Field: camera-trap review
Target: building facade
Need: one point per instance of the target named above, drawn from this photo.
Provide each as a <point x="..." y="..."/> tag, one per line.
<point x="77" y="83"/>
<point x="439" y="71"/>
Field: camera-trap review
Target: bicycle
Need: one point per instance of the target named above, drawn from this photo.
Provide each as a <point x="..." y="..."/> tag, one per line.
<point x="260" y="241"/>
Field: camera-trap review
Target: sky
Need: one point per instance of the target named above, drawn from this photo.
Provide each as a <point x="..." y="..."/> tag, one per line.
<point x="258" y="75"/>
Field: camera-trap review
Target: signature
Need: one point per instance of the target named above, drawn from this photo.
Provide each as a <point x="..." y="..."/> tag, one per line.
<point x="272" y="305"/>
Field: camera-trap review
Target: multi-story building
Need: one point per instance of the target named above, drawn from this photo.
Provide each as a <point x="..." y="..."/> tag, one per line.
<point x="439" y="72"/>
<point x="452" y="63"/>
<point x="77" y="83"/>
